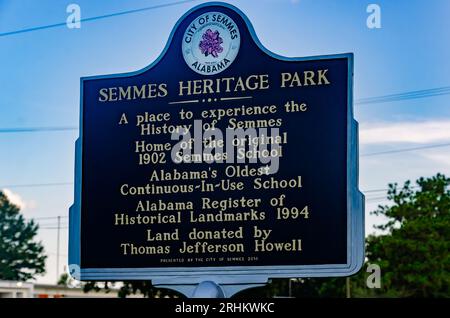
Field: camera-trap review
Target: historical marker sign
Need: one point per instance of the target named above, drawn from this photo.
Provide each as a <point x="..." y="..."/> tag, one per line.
<point x="220" y="160"/>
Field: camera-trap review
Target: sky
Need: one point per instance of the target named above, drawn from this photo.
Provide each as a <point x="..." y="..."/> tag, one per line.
<point x="40" y="72"/>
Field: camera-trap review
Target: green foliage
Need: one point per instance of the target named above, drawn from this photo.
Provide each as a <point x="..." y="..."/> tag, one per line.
<point x="144" y="288"/>
<point x="414" y="252"/>
<point x="95" y="287"/>
<point x="147" y="289"/>
<point x="21" y="258"/>
<point x="67" y="280"/>
<point x="63" y="280"/>
<point x="299" y="288"/>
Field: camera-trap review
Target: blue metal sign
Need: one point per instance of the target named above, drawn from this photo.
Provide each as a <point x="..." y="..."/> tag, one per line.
<point x="220" y="161"/>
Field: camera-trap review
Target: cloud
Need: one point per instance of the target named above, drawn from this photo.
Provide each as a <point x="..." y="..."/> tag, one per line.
<point x="441" y="158"/>
<point x="15" y="198"/>
<point x="406" y="132"/>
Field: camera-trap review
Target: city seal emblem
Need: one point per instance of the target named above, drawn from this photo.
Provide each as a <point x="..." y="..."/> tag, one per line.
<point x="211" y="43"/>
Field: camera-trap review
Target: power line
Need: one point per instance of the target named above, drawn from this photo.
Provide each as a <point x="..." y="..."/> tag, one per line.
<point x="374" y="199"/>
<point x="50" y="227"/>
<point x="380" y="201"/>
<point x="51" y="253"/>
<point x="51" y="224"/>
<point x="50" y="217"/>
<point x="404" y="150"/>
<point x="71" y="183"/>
<point x="404" y="96"/>
<point x="55" y="25"/>
<point x="374" y="190"/>
<point x="36" y="129"/>
<point x="362" y="155"/>
<point x="370" y="100"/>
<point x="383" y="190"/>
<point x="48" y="223"/>
<point x="33" y="185"/>
<point x="53" y="228"/>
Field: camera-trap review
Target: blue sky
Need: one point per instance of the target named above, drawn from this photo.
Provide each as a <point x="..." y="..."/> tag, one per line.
<point x="40" y="73"/>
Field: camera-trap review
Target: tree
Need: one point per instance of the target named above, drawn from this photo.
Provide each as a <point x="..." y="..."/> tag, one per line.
<point x="66" y="280"/>
<point x="414" y="253"/>
<point x="128" y="288"/>
<point x="21" y="258"/>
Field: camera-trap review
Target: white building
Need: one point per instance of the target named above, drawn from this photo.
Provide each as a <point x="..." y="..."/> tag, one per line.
<point x="14" y="289"/>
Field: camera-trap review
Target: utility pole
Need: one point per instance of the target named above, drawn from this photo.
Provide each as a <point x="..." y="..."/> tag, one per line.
<point x="347" y="283"/>
<point x="57" y="249"/>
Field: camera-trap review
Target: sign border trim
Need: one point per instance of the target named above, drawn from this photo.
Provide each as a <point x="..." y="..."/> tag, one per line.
<point x="230" y="274"/>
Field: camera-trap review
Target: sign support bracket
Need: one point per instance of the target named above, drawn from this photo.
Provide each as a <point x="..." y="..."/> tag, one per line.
<point x="209" y="289"/>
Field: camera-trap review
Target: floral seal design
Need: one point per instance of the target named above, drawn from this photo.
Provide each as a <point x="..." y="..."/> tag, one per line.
<point x="210" y="43"/>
